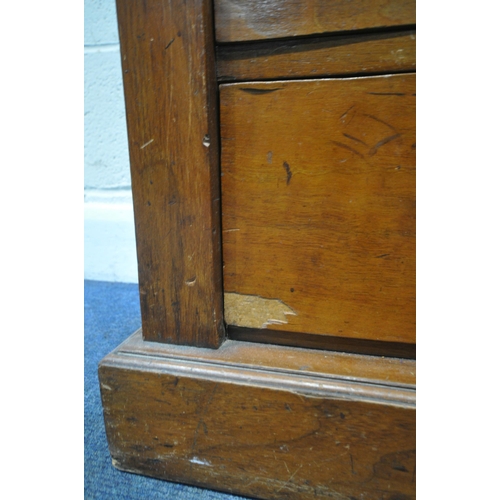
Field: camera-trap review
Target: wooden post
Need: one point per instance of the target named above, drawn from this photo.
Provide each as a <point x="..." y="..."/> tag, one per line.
<point x="167" y="49"/>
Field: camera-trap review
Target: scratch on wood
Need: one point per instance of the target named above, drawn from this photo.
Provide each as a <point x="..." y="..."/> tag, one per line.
<point x="147" y="144"/>
<point x="382" y="142"/>
<point x="200" y="461"/>
<point x="290" y="478"/>
<point x="386" y="93"/>
<point x="355" y="139"/>
<point x="345" y="146"/>
<point x="346" y="113"/>
<point x="380" y="121"/>
<point x="288" y="172"/>
<point x="253" y="311"/>
<point x="382" y="256"/>
<point x="170" y="43"/>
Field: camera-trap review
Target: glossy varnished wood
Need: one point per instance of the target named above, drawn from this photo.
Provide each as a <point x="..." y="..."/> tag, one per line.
<point x="324" y="56"/>
<point x="171" y="100"/>
<point x="275" y="423"/>
<point x="319" y="206"/>
<point x="243" y="20"/>
<point x="318" y="189"/>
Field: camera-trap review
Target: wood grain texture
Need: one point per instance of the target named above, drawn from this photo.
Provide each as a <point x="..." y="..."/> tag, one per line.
<point x="244" y="20"/>
<point x="171" y="101"/>
<point x="221" y="421"/>
<point x="317" y="57"/>
<point x="319" y="204"/>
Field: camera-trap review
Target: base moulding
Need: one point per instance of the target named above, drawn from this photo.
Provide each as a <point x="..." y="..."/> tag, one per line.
<point x="262" y="421"/>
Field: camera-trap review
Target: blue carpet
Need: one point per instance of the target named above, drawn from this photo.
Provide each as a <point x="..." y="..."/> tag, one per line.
<point x="112" y="314"/>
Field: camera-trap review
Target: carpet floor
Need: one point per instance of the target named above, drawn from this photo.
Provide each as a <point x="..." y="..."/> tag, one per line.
<point x="112" y="313"/>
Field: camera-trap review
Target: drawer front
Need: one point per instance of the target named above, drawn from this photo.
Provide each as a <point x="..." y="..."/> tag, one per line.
<point x="246" y="20"/>
<point x="318" y="203"/>
<point x="366" y="53"/>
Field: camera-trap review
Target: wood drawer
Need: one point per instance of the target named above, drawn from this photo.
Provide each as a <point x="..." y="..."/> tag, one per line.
<point x="318" y="206"/>
<point x="246" y="20"/>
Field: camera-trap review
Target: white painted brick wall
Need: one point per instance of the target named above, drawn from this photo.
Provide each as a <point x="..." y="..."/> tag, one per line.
<point x="110" y="253"/>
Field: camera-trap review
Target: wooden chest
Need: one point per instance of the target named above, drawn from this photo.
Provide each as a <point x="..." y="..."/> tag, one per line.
<point x="272" y="148"/>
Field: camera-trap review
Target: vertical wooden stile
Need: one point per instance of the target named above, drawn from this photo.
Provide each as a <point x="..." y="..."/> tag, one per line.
<point x="167" y="49"/>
